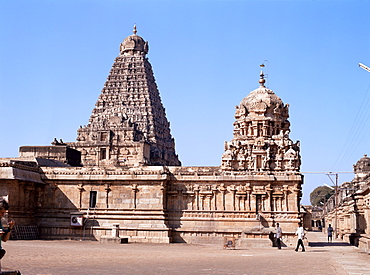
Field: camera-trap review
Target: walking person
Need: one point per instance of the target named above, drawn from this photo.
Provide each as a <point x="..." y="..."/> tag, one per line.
<point x="279" y="234"/>
<point x="330" y="234"/>
<point x="4" y="232"/>
<point x="300" y="234"/>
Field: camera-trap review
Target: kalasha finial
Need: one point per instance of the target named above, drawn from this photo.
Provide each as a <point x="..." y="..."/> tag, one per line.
<point x="262" y="79"/>
<point x="134" y="31"/>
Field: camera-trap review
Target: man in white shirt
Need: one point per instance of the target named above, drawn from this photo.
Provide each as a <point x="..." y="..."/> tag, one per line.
<point x="279" y="233"/>
<point x="300" y="234"/>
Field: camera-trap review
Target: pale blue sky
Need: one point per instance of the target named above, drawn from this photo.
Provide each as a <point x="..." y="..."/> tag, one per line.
<point x="56" y="55"/>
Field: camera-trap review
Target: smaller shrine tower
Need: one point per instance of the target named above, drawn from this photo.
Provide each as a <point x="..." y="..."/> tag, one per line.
<point x="128" y="126"/>
<point x="261" y="135"/>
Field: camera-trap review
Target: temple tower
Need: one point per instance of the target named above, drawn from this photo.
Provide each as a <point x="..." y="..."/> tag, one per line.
<point x="128" y="126"/>
<point x="261" y="135"/>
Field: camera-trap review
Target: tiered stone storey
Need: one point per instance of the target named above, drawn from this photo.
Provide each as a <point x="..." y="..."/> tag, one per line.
<point x="128" y="126"/>
<point x="130" y="179"/>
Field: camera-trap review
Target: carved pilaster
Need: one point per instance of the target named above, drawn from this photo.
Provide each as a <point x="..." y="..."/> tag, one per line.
<point x="268" y="197"/>
<point x="81" y="189"/>
<point x="286" y="194"/>
<point x="196" y="190"/>
<point x="214" y="191"/>
<point x="107" y="190"/>
<point x="223" y="190"/>
<point x="134" y="193"/>
<point x="249" y="192"/>
<point x="233" y="192"/>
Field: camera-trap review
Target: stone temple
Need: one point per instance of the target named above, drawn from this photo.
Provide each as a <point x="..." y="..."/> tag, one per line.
<point x="122" y="179"/>
<point x="128" y="126"/>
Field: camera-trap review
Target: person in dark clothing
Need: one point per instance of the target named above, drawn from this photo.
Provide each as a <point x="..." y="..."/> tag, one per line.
<point x="4" y="232"/>
<point x="330" y="234"/>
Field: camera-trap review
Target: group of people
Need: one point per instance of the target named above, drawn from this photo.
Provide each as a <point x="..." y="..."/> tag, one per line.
<point x="301" y="235"/>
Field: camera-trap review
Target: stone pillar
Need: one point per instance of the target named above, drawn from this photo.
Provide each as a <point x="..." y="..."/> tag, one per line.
<point x="233" y="191"/>
<point x="238" y="198"/>
<point x="80" y="191"/>
<point x="202" y="197"/>
<point x="265" y="200"/>
<point x="265" y="127"/>
<point x="253" y="203"/>
<point x="197" y="198"/>
<point x="249" y="191"/>
<point x="164" y="196"/>
<point x="280" y="206"/>
<point x="192" y="199"/>
<point x="134" y="191"/>
<point x="286" y="193"/>
<point x="107" y="190"/>
<point x="214" y="191"/>
<point x="243" y="202"/>
<point x="209" y="202"/>
<point x="268" y="197"/>
<point x="274" y="204"/>
<point x="180" y="199"/>
<point x="223" y="192"/>
<point x="297" y="193"/>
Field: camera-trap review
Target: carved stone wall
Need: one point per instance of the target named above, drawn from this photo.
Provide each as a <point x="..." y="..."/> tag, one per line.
<point x="349" y="210"/>
<point x="206" y="199"/>
<point x="155" y="204"/>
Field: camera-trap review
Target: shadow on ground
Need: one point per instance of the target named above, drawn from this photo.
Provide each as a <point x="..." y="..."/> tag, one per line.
<point x="317" y="251"/>
<point x="321" y="244"/>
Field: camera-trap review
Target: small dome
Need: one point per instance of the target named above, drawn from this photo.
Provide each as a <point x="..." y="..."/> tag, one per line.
<point x="134" y="44"/>
<point x="261" y="98"/>
<point x="362" y="165"/>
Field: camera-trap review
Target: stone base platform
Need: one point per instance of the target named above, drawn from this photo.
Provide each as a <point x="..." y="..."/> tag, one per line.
<point x="251" y="242"/>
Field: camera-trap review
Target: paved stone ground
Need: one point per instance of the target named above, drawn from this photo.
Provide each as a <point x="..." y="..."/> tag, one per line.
<point x="73" y="257"/>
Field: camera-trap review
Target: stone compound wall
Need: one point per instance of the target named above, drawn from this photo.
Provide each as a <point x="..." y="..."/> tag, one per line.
<point x="159" y="204"/>
<point x="154" y="204"/>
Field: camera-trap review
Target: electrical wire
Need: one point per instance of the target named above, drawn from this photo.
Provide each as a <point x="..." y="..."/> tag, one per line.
<point x="356" y="133"/>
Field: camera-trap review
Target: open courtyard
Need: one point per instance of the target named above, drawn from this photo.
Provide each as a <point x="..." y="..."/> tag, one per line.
<point x="39" y="257"/>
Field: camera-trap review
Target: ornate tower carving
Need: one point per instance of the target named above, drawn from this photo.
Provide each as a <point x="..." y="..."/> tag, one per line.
<point x="261" y="135"/>
<point x="128" y="126"/>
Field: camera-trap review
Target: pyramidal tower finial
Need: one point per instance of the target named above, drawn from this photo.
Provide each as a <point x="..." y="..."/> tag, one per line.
<point x="262" y="79"/>
<point x="134" y="31"/>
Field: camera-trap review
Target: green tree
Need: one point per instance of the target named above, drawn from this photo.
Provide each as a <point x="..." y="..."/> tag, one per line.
<point x="320" y="195"/>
